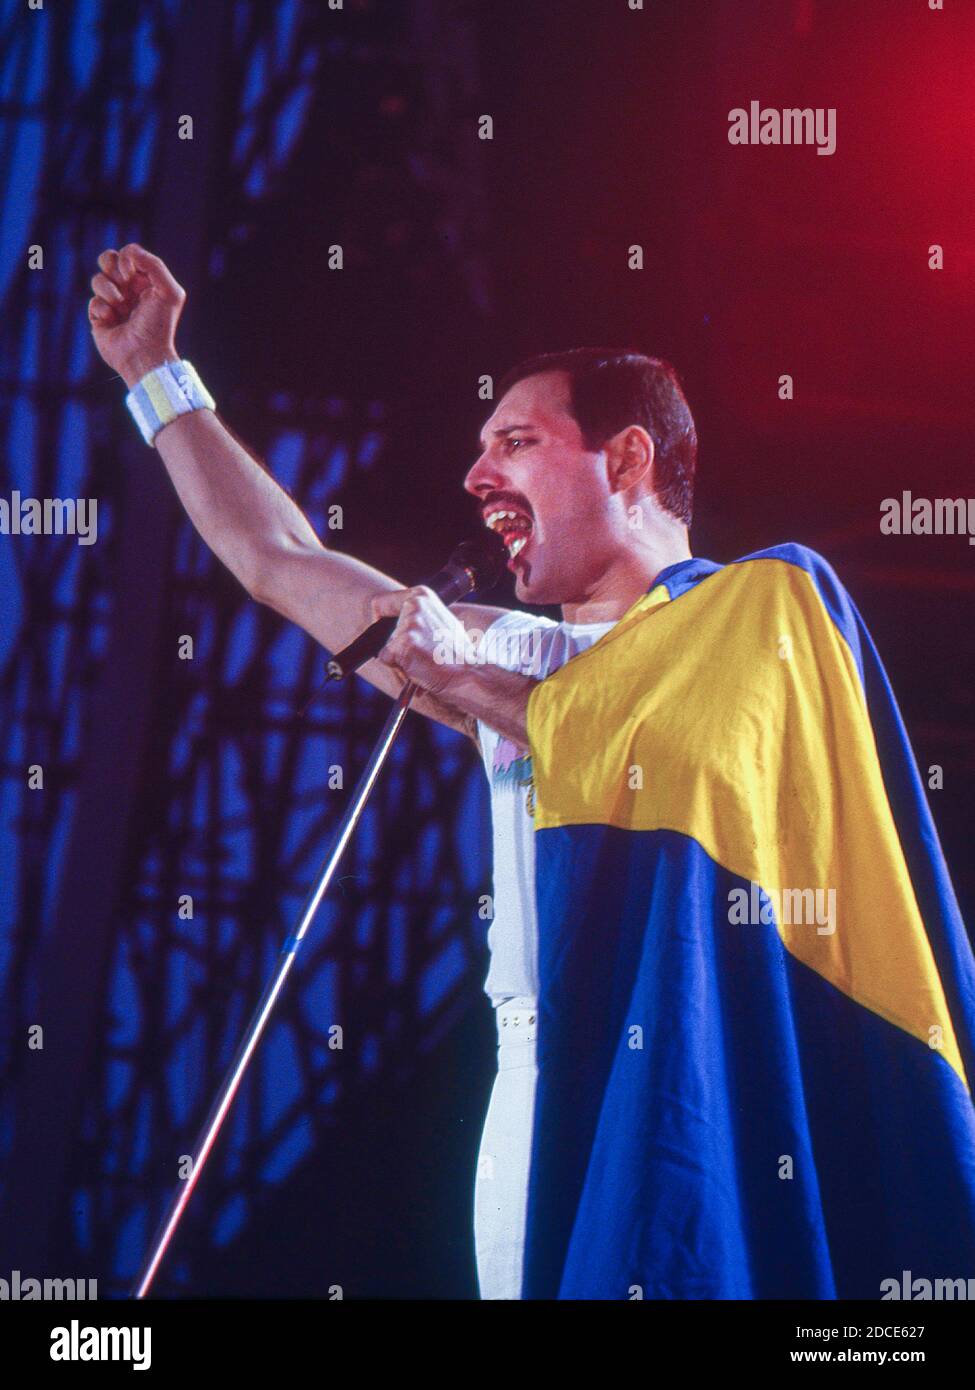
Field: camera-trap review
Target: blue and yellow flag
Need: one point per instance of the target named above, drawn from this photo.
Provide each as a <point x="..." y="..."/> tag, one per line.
<point x="756" y="995"/>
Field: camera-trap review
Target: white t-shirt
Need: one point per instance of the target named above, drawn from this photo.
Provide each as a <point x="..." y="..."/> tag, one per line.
<point x="536" y="647"/>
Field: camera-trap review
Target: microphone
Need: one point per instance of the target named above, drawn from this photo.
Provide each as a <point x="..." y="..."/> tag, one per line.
<point x="474" y="564"/>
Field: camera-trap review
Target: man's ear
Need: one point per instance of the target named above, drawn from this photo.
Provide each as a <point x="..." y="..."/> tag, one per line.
<point x="630" y="455"/>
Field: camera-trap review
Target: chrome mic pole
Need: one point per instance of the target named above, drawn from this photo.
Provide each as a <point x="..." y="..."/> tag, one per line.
<point x="218" y="1111"/>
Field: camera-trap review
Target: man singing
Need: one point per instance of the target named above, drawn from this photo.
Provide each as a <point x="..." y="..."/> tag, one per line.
<point x="689" y="738"/>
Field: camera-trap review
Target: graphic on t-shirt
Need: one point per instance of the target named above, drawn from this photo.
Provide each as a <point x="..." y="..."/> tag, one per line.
<point x="510" y="767"/>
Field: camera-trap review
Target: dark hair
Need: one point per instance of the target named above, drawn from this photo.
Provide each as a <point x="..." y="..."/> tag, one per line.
<point x="611" y="388"/>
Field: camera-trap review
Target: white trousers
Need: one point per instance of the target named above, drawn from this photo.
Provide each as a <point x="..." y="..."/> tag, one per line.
<point x="501" y="1183"/>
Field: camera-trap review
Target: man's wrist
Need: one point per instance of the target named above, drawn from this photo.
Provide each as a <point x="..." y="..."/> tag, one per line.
<point x="165" y="393"/>
<point x="493" y="694"/>
<point x="136" y="368"/>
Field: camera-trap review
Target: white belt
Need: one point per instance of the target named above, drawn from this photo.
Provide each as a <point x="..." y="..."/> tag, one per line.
<point x="517" y="1021"/>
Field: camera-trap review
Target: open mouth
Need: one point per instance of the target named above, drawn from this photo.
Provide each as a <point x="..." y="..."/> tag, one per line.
<point x="513" y="527"/>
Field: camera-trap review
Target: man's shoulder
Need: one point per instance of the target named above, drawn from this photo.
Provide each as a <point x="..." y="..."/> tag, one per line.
<point x="817" y="572"/>
<point x="793" y="558"/>
<point x="792" y="553"/>
<point x="513" y="619"/>
<point x="774" y="565"/>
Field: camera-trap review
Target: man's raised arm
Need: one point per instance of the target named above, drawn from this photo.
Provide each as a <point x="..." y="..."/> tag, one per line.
<point x="247" y="520"/>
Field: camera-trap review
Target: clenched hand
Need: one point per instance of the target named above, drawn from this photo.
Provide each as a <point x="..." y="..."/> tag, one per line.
<point x="429" y="645"/>
<point x="134" y="309"/>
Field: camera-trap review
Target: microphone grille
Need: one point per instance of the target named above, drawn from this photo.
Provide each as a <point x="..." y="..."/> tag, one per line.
<point x="483" y="556"/>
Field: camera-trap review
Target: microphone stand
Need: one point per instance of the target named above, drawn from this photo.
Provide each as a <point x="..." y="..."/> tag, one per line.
<point x="218" y="1111"/>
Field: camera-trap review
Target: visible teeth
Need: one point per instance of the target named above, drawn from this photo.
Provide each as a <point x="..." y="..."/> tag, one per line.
<point x="496" y="521"/>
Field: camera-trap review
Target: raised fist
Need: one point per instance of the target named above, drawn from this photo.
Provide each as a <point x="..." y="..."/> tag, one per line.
<point x="134" y="311"/>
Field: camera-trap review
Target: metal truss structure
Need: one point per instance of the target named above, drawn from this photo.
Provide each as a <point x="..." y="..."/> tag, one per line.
<point x="207" y="822"/>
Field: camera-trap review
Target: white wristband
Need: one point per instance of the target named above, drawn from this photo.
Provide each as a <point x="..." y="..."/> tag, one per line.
<point x="165" y="393"/>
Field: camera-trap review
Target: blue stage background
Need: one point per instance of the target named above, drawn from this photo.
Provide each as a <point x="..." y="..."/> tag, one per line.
<point x="213" y="776"/>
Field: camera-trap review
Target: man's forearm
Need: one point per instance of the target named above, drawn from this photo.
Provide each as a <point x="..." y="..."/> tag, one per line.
<point x="497" y="696"/>
<point x="240" y="511"/>
<point x="247" y="520"/>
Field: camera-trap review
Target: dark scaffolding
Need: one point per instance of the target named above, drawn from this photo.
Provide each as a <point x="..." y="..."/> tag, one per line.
<point x="186" y="799"/>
